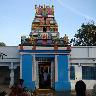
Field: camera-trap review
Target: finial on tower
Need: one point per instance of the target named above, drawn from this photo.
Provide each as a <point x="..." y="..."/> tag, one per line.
<point x="44" y="10"/>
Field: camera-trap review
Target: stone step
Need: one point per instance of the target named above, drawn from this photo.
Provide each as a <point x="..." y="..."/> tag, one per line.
<point x="44" y="92"/>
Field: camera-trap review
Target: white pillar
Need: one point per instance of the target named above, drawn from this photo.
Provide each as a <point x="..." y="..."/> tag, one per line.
<point x="37" y="76"/>
<point x="78" y="72"/>
<point x="34" y="69"/>
<point x="21" y="67"/>
<point x="69" y="64"/>
<point x="52" y="74"/>
<point x="56" y="69"/>
<point x="11" y="74"/>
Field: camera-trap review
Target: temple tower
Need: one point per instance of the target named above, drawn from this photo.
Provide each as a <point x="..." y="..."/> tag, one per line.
<point x="45" y="52"/>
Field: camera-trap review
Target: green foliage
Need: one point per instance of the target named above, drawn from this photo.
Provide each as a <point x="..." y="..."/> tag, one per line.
<point x="2" y="44"/>
<point x="86" y="35"/>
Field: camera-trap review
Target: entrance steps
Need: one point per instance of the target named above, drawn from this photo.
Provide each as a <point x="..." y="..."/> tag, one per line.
<point x="44" y="92"/>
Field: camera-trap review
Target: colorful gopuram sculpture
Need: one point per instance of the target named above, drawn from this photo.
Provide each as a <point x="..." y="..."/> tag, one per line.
<point x="44" y="30"/>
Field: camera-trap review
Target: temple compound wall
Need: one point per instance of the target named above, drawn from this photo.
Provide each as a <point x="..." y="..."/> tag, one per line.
<point x="81" y="66"/>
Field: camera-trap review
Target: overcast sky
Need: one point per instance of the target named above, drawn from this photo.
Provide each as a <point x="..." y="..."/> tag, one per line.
<point x="16" y="17"/>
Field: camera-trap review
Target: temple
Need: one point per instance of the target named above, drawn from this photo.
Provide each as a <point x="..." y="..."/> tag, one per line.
<point x="45" y="60"/>
<point x="44" y="56"/>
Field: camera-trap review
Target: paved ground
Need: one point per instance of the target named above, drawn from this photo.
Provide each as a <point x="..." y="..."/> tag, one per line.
<point x="7" y="90"/>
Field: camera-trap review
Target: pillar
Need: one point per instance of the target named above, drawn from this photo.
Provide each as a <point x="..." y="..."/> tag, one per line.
<point x="12" y="67"/>
<point x="61" y="77"/>
<point x="27" y="71"/>
<point x="56" y="69"/>
<point x="78" y="72"/>
<point x="53" y="74"/>
<point x="34" y="69"/>
<point x="21" y="67"/>
<point x="37" y="76"/>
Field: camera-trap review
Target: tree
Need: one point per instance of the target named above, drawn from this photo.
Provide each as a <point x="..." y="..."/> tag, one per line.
<point x="86" y="35"/>
<point x="2" y="44"/>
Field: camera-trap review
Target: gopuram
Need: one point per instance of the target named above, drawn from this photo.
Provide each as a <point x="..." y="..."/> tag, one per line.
<point x="44" y="55"/>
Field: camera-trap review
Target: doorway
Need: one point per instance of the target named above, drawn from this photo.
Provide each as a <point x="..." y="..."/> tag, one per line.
<point x="44" y="69"/>
<point x="4" y="75"/>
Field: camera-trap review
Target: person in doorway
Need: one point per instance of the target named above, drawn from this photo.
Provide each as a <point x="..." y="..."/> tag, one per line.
<point x="80" y="88"/>
<point x="45" y="78"/>
<point x="45" y="74"/>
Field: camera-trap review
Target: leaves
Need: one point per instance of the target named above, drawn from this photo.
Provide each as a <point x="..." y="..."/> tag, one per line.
<point x="85" y="36"/>
<point x="2" y="44"/>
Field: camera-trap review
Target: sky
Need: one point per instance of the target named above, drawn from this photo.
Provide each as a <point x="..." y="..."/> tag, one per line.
<point x="16" y="17"/>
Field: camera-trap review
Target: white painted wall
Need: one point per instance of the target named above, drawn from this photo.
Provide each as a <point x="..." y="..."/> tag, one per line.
<point x="83" y="52"/>
<point x="83" y="56"/>
<point x="89" y="84"/>
<point x="79" y="55"/>
<point x="76" y="52"/>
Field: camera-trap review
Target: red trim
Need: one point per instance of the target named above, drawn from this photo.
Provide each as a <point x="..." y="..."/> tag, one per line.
<point x="68" y="47"/>
<point x="55" y="47"/>
<point x="34" y="47"/>
<point x="21" y="47"/>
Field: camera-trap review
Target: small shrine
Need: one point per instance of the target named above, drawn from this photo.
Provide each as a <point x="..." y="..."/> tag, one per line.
<point x="44" y="55"/>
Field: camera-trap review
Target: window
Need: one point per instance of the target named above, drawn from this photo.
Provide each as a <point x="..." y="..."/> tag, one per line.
<point x="88" y="72"/>
<point x="72" y="72"/>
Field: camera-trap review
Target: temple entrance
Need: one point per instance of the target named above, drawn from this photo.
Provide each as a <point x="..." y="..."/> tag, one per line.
<point x="44" y="75"/>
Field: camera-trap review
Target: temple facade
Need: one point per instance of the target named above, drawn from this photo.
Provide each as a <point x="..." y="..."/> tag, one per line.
<point x="44" y="55"/>
<point x="45" y="60"/>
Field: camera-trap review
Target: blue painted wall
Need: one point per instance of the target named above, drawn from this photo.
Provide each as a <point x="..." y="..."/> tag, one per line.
<point x="63" y="83"/>
<point x="27" y="71"/>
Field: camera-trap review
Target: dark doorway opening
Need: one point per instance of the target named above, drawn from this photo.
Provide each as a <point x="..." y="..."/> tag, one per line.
<point x="44" y="75"/>
<point x="17" y="74"/>
<point x="4" y="75"/>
